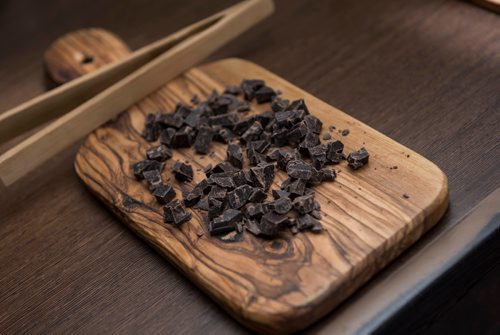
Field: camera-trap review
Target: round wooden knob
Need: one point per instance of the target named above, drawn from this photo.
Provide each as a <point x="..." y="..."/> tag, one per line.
<point x="81" y="52"/>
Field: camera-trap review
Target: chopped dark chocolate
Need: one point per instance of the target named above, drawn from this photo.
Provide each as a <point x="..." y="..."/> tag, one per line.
<point x="308" y="222"/>
<point x="271" y="223"/>
<point x="334" y="152"/>
<point x="223" y="135"/>
<point x="217" y="192"/>
<point x="345" y="132"/>
<point x="279" y="105"/>
<point x="299" y="104"/>
<point x="167" y="136"/>
<point x="253" y="210"/>
<point x="286" y="157"/>
<point x="262" y="175"/>
<point x="313" y="123"/>
<point x="223" y="167"/>
<point x="296" y="187"/>
<point x="183" y="138"/>
<point x="153" y="178"/>
<point x="299" y="169"/>
<point x="160" y="153"/>
<point x="257" y="195"/>
<point x="146" y="165"/>
<point x="264" y="94"/>
<point x="260" y="145"/>
<point x="252" y="133"/>
<point x="255" y="158"/>
<point x="304" y="204"/>
<point x="202" y="205"/>
<point x="357" y="159"/>
<point x="226" y="120"/>
<point x="225" y="223"/>
<point x="239" y="178"/>
<point x="250" y="86"/>
<point x="327" y="174"/>
<point x="232" y="89"/>
<point x="278" y="194"/>
<point x="222" y="179"/>
<point x="182" y="171"/>
<point x="215" y="207"/>
<point x="239" y="196"/>
<point x="174" y="213"/>
<point x="192" y="198"/>
<point x="282" y="205"/>
<point x="151" y="130"/>
<point x="203" y="139"/>
<point x="273" y="154"/>
<point x="327" y="136"/>
<point x="235" y="155"/>
<point x="164" y="193"/>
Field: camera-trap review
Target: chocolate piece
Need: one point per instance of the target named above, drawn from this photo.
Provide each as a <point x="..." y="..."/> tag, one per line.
<point x="282" y="205"/>
<point x="243" y="107"/>
<point x="232" y="89"/>
<point x="151" y="129"/>
<point x="279" y="105"/>
<point x="260" y="146"/>
<point x="313" y="123"/>
<point x="286" y="157"/>
<point x="183" y="138"/>
<point x="310" y="140"/>
<point x="225" y="120"/>
<point x="167" y="136"/>
<point x="345" y="132"/>
<point x="316" y="214"/>
<point x="273" y="154"/>
<point x="280" y="137"/>
<point x="278" y="194"/>
<point x="153" y="177"/>
<point x="257" y="195"/>
<point x="146" y="165"/>
<point x="304" y="204"/>
<point x="192" y="198"/>
<point x="239" y="178"/>
<point x="215" y="207"/>
<point x="193" y="118"/>
<point x="327" y="136"/>
<point x="203" y="187"/>
<point x="297" y="134"/>
<point x="255" y="158"/>
<point x="164" y="193"/>
<point x="223" y="179"/>
<point x="203" y="139"/>
<point x="182" y="171"/>
<point x="202" y="205"/>
<point x="239" y="196"/>
<point x="327" y="174"/>
<point x="160" y="153"/>
<point x="252" y="133"/>
<point x="224" y="223"/>
<point x="334" y="152"/>
<point x="357" y="159"/>
<point x="271" y="223"/>
<point x="264" y="94"/>
<point x="299" y="169"/>
<point x="262" y="175"/>
<point x="223" y="135"/>
<point x="296" y="187"/>
<point x="217" y="192"/>
<point x="235" y="155"/>
<point x="169" y="120"/>
<point x="174" y="213"/>
<point x="223" y="167"/>
<point x="250" y="86"/>
<point x="299" y="104"/>
<point x="253" y="227"/>
<point x="253" y="210"/>
<point x="308" y="222"/>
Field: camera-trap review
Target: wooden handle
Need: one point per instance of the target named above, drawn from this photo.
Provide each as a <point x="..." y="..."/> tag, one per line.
<point x="35" y="150"/>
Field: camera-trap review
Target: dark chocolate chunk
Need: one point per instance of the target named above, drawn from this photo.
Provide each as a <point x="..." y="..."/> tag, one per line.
<point x="327" y="136"/>
<point x="232" y="89"/>
<point x="260" y="146"/>
<point x="278" y="194"/>
<point x="282" y="205"/>
<point x="223" y="167"/>
<point x="183" y="138"/>
<point x="174" y="213"/>
<point x="316" y="214"/>
<point x="357" y="159"/>
<point x="222" y="179"/>
<point x="243" y="107"/>
<point x="327" y="174"/>
<point x="193" y="118"/>
<point x="257" y="195"/>
<point x="331" y="128"/>
<point x="252" y="226"/>
<point x="273" y="154"/>
<point x="164" y="193"/>
<point x="310" y="140"/>
<point x="299" y="104"/>
<point x="264" y="94"/>
<point x="151" y="130"/>
<point x="223" y="135"/>
<point x="304" y="204"/>
<point x="279" y="105"/>
<point x="153" y="177"/>
<point x="255" y="158"/>
<point x="299" y="169"/>
<point x="169" y="120"/>
<point x="296" y="187"/>
<point x="262" y="175"/>
<point x="146" y="165"/>
<point x="225" y="120"/>
<point x="271" y="223"/>
<point x="239" y="196"/>
<point x="313" y="124"/>
<point x="215" y="207"/>
<point x="203" y="187"/>
<point x="308" y="222"/>
<point x="297" y="134"/>
<point x="250" y="86"/>
<point x="286" y="157"/>
<point x="182" y="171"/>
<point x="253" y="210"/>
<point x="406" y="196"/>
<point x="167" y="136"/>
<point x="280" y="137"/>
<point x="235" y="155"/>
<point x="225" y="223"/>
<point x="202" y="205"/>
<point x="203" y="139"/>
<point x="192" y="198"/>
<point x="334" y="152"/>
<point x="217" y="192"/>
<point x="252" y="133"/>
<point x="160" y="153"/>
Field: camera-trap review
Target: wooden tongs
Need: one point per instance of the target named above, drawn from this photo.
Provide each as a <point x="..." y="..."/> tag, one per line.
<point x="103" y="94"/>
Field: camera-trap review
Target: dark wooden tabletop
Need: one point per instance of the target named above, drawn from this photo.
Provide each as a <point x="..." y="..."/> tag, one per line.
<point x="426" y="73"/>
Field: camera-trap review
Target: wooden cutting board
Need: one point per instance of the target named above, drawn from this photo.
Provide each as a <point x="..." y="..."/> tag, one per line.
<point x="277" y="285"/>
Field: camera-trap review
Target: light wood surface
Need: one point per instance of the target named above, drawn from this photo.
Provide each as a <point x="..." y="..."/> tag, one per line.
<point x="284" y="284"/>
<point x="63" y="132"/>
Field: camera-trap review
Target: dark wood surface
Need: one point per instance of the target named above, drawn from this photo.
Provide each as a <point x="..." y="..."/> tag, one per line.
<point x="426" y="73"/>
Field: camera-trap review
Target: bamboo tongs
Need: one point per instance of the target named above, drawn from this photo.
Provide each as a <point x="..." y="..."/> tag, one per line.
<point x="103" y="94"/>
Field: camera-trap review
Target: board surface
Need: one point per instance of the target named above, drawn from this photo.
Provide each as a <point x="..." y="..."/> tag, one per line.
<point x="286" y="283"/>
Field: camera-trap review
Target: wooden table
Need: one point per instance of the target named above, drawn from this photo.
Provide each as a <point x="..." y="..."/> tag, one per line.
<point x="426" y="73"/>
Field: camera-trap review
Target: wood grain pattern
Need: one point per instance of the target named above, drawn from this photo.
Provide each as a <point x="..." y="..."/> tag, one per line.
<point x="284" y="284"/>
<point x="422" y="72"/>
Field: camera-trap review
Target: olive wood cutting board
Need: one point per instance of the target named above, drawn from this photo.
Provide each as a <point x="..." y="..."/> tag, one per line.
<point x="271" y="285"/>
